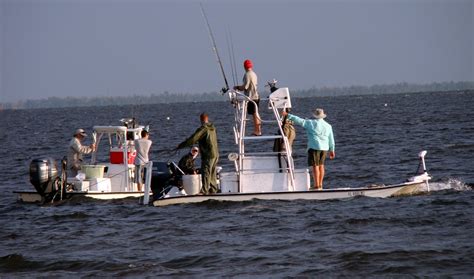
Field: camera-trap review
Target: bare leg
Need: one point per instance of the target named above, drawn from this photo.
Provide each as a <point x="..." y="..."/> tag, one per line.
<point x="256" y="124"/>
<point x="316" y="176"/>
<point x="139" y="187"/>
<point x="321" y="176"/>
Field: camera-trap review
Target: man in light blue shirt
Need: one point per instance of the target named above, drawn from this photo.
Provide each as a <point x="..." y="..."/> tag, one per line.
<point x="320" y="141"/>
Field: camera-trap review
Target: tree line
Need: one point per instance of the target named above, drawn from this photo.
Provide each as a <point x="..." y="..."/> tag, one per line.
<point x="167" y="97"/>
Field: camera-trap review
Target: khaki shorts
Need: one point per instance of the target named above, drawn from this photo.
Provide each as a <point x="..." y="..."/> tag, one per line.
<point x="316" y="157"/>
<point x="140" y="174"/>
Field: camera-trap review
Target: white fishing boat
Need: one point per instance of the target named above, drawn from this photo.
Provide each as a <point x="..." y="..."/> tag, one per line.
<point x="109" y="175"/>
<point x="272" y="175"/>
<point x="256" y="175"/>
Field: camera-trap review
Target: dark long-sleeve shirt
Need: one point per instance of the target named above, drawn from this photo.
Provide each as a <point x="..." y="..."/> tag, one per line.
<point x="206" y="137"/>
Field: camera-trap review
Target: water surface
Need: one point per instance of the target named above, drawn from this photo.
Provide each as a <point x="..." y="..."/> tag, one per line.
<point x="377" y="141"/>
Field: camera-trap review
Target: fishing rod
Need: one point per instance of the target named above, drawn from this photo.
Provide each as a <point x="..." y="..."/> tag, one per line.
<point x="230" y="47"/>
<point x="214" y="47"/>
<point x="233" y="58"/>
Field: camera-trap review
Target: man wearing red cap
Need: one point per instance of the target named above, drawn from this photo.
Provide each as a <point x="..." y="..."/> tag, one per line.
<point x="249" y="86"/>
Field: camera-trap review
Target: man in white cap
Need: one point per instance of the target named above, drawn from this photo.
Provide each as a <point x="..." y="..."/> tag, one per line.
<point x="320" y="141"/>
<point x="75" y="152"/>
<point x="186" y="163"/>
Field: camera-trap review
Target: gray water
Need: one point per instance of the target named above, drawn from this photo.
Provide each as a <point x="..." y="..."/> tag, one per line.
<point x="377" y="141"/>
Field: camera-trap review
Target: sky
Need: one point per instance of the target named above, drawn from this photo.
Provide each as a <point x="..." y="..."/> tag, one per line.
<point x="86" y="48"/>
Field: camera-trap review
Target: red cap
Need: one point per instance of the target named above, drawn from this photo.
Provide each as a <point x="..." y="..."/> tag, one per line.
<point x="248" y="64"/>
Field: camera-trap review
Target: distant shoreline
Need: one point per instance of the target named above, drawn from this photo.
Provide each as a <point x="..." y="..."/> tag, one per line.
<point x="407" y="88"/>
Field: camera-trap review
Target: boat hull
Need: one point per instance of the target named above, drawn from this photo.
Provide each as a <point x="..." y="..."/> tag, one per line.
<point x="326" y="194"/>
<point x="404" y="189"/>
<point x="34" y="197"/>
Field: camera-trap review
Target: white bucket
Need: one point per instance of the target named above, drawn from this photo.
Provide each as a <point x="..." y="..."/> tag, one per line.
<point x="192" y="184"/>
<point x="93" y="171"/>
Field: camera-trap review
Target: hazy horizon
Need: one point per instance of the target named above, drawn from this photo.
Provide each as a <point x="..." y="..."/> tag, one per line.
<point x="119" y="48"/>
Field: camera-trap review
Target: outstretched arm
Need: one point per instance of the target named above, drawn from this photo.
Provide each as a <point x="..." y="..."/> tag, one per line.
<point x="78" y="148"/>
<point x="297" y="120"/>
<point x="193" y="138"/>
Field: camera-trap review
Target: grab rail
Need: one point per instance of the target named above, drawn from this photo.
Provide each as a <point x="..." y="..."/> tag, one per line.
<point x="146" y="192"/>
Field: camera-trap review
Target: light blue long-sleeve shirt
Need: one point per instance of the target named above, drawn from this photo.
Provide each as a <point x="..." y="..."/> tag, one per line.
<point x="319" y="132"/>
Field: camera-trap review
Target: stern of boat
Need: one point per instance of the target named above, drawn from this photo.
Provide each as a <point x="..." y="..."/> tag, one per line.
<point x="420" y="182"/>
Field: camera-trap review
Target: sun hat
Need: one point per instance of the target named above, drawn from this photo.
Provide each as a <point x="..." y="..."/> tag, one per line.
<point x="319" y="113"/>
<point x="248" y="64"/>
<point x="80" y="132"/>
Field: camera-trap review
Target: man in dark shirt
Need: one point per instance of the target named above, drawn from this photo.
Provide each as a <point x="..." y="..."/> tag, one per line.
<point x="186" y="164"/>
<point x="206" y="136"/>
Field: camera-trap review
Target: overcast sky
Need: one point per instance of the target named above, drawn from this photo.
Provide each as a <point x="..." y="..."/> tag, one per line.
<point x="125" y="47"/>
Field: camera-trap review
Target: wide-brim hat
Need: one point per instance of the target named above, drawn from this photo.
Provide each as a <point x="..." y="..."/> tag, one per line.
<point x="80" y="132"/>
<point x="319" y="113"/>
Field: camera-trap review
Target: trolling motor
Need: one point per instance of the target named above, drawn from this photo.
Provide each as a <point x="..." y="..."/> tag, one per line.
<point x="421" y="173"/>
<point x="278" y="98"/>
<point x="272" y="85"/>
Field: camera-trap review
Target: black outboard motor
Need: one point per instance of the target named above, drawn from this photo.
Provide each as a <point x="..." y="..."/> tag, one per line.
<point x="162" y="178"/>
<point x="43" y="174"/>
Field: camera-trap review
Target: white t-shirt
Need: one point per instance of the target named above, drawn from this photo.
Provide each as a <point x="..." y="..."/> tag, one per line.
<point x="143" y="147"/>
<point x="250" y="84"/>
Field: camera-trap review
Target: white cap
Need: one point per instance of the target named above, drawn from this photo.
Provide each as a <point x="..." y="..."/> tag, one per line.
<point x="80" y="132"/>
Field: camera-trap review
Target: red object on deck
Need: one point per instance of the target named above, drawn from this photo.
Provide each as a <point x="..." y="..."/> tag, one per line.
<point x="116" y="156"/>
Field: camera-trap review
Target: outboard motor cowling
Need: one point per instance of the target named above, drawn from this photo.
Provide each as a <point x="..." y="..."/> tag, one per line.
<point x="43" y="173"/>
<point x="163" y="177"/>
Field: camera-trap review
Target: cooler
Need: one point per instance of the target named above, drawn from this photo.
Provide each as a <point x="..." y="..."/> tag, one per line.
<point x="79" y="185"/>
<point x="116" y="156"/>
<point x="93" y="171"/>
<point x="100" y="185"/>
